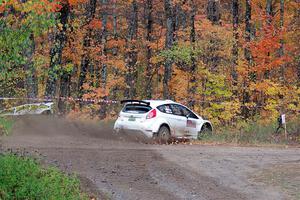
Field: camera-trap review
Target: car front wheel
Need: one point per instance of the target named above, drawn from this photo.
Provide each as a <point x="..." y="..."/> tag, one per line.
<point x="206" y="130"/>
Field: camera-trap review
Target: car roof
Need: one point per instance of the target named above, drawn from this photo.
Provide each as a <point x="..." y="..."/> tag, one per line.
<point x="155" y="103"/>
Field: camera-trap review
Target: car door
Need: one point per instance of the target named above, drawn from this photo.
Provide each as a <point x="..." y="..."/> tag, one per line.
<point x="178" y="119"/>
<point x="192" y="125"/>
<point x="167" y="114"/>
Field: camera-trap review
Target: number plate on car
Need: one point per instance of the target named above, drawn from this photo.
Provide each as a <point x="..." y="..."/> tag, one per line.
<point x="131" y="119"/>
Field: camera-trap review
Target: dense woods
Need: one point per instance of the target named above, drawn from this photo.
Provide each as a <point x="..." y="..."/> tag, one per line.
<point x="230" y="60"/>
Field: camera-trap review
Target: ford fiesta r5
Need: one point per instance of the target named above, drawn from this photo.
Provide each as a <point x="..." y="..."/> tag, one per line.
<point x="161" y="119"/>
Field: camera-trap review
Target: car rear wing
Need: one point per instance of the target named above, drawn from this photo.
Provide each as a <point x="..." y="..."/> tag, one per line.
<point x="131" y="101"/>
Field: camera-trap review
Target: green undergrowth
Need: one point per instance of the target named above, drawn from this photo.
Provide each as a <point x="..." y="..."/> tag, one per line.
<point x="256" y="133"/>
<point x="23" y="178"/>
<point x="6" y="124"/>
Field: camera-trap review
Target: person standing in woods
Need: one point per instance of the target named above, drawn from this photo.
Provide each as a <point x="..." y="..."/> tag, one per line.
<point x="280" y="124"/>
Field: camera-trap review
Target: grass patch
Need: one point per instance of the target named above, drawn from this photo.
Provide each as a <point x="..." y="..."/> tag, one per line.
<point x="24" y="178"/>
<point x="6" y="124"/>
<point x="256" y="133"/>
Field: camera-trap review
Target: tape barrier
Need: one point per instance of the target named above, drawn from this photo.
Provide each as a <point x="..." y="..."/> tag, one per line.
<point x="105" y="101"/>
<point x="64" y="99"/>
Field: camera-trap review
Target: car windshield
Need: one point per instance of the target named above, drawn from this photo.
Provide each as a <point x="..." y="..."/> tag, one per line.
<point x="136" y="108"/>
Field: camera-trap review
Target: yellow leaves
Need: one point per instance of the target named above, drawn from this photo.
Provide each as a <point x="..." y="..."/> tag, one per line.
<point x="273" y="90"/>
<point x="242" y="68"/>
<point x="156" y="59"/>
<point x="37" y="6"/>
<point x="222" y="112"/>
<point x="268" y="87"/>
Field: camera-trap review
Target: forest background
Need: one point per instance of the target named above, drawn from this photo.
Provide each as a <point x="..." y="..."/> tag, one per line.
<point x="232" y="61"/>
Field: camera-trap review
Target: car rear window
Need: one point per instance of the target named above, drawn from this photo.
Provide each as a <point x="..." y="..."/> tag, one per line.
<point x="136" y="108"/>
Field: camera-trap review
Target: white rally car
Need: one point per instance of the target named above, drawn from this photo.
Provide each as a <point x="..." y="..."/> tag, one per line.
<point x="29" y="109"/>
<point x="161" y="119"/>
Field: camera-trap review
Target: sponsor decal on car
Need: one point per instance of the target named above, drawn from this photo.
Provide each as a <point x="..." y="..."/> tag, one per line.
<point x="191" y="123"/>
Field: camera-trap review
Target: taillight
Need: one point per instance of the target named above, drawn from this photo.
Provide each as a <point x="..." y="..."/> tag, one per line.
<point x="151" y="114"/>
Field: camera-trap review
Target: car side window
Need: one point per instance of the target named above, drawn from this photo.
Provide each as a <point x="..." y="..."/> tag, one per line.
<point x="185" y="111"/>
<point x="165" y="109"/>
<point x="177" y="109"/>
<point x="188" y="113"/>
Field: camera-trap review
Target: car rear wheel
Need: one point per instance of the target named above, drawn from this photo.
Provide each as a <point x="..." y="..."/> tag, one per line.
<point x="163" y="135"/>
<point x="46" y="112"/>
<point x="206" y="130"/>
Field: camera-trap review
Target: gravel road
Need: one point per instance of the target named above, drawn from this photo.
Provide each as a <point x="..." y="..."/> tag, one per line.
<point x="119" y="167"/>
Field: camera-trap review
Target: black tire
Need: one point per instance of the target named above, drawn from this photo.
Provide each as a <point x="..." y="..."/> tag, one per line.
<point x="206" y="130"/>
<point x="163" y="136"/>
<point x="47" y="112"/>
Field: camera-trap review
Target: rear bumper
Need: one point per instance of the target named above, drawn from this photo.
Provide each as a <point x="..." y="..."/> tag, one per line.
<point x="144" y="128"/>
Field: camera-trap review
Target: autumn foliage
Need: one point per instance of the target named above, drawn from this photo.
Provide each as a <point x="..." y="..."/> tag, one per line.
<point x="109" y="49"/>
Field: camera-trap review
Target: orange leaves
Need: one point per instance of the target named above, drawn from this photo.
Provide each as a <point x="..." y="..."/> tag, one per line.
<point x="118" y="63"/>
<point x="180" y="78"/>
<point x="2" y="7"/>
<point x="72" y="2"/>
<point x="115" y="43"/>
<point x="76" y="2"/>
<point x="94" y="93"/>
<point x="265" y="49"/>
<point x="95" y="24"/>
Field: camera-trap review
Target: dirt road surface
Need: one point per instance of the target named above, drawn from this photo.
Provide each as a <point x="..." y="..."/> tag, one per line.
<point x="117" y="167"/>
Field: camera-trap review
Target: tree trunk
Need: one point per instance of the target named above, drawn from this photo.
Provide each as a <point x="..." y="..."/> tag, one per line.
<point x="65" y="82"/>
<point x="193" y="67"/>
<point x="56" y="52"/>
<point x="31" y="83"/>
<point x="149" y="67"/>
<point x="248" y="57"/>
<point x="213" y="11"/>
<point x="85" y="61"/>
<point x="103" y="108"/>
<point x="168" y="45"/>
<point x="270" y="14"/>
<point x="269" y="11"/>
<point x="235" y="50"/>
<point x="281" y="50"/>
<point x="298" y="28"/>
<point x="131" y="57"/>
<point x="248" y="31"/>
<point x="103" y="42"/>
